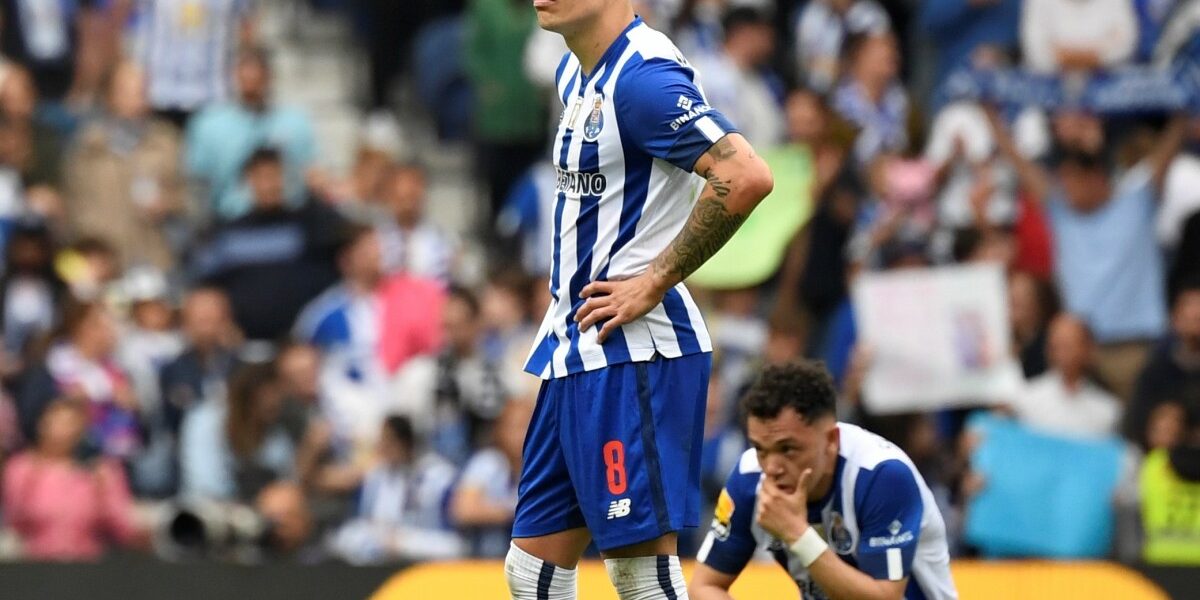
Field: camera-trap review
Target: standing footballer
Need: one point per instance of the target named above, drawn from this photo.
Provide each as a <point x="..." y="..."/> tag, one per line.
<point x="613" y="450"/>
<point x="843" y="510"/>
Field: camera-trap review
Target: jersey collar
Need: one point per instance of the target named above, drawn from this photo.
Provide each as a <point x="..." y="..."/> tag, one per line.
<point x="614" y="51"/>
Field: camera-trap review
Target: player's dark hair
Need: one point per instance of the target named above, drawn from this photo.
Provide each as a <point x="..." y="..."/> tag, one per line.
<point x="261" y="156"/>
<point x="804" y="386"/>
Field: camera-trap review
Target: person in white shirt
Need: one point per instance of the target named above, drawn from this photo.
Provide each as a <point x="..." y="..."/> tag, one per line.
<point x="485" y="499"/>
<point x="411" y="242"/>
<point x="821" y="31"/>
<point x="1077" y="35"/>
<point x="1064" y="400"/>
<point x="734" y="81"/>
<point x="400" y="509"/>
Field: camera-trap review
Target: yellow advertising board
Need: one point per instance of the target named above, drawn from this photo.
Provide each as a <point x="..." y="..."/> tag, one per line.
<point x="1026" y="580"/>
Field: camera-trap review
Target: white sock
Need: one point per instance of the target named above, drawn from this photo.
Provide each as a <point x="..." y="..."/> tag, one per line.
<point x="531" y="578"/>
<point x="647" y="578"/>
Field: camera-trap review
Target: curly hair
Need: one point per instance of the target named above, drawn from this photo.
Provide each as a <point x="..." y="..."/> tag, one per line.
<point x="804" y="386"/>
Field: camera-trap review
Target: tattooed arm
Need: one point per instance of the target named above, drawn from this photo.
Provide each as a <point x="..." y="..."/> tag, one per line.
<point x="737" y="179"/>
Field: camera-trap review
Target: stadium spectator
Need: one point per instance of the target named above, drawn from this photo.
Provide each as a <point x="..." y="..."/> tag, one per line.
<point x="1032" y="302"/>
<point x="149" y="336"/>
<point x="52" y="40"/>
<point x="30" y="144"/>
<point x="65" y="502"/>
<point x="324" y="459"/>
<point x="207" y="359"/>
<point x="1186" y="265"/>
<point x="368" y="326"/>
<point x="81" y="365"/>
<point x="454" y="396"/>
<point x="187" y="49"/>
<point x="30" y="290"/>
<point x="232" y="450"/>
<point x="274" y="259"/>
<point x="293" y="529"/>
<point x="871" y="97"/>
<point x="814" y="279"/>
<point x="528" y="217"/>
<point x="485" y="497"/>
<point x="741" y="333"/>
<point x="1065" y="400"/>
<point x="735" y="81"/>
<point x="1074" y="35"/>
<point x="509" y="119"/>
<point x="1181" y="193"/>
<point x="411" y="242"/>
<point x="401" y="504"/>
<point x="224" y="136"/>
<point x="88" y="267"/>
<point x="123" y="182"/>
<point x="1118" y="292"/>
<point x="1172" y="373"/>
<point x="962" y="147"/>
<point x="822" y="30"/>
<point x="150" y="340"/>
<point x="959" y="28"/>
<point x="1170" y="477"/>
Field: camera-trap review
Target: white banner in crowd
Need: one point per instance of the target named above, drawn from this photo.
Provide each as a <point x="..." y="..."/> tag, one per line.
<point x="938" y="338"/>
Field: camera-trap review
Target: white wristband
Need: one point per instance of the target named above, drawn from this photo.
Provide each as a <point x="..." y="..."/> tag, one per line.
<point x="809" y="547"/>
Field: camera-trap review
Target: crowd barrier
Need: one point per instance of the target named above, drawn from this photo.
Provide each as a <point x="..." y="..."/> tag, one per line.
<point x="976" y="580"/>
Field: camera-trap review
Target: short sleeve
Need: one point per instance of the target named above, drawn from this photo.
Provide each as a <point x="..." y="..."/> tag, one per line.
<point x="662" y="112"/>
<point x="890" y="508"/>
<point x="730" y="543"/>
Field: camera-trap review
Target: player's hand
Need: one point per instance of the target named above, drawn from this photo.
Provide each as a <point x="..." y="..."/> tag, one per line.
<point x="783" y="514"/>
<point x="618" y="302"/>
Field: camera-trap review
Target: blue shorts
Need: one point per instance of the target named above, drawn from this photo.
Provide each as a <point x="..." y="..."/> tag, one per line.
<point x="616" y="450"/>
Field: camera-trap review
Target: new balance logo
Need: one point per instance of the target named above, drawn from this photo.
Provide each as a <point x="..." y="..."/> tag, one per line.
<point x="618" y="509"/>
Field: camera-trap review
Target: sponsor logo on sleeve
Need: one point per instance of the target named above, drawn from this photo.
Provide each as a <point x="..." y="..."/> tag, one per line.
<point x="895" y="539"/>
<point x="723" y="516"/>
<point x="691" y="109"/>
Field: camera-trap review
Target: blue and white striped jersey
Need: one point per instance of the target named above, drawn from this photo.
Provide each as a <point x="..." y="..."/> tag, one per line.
<point x="879" y="516"/>
<point x="187" y="48"/>
<point x="630" y="134"/>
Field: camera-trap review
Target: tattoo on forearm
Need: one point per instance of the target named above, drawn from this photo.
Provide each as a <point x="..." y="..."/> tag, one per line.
<point x="706" y="231"/>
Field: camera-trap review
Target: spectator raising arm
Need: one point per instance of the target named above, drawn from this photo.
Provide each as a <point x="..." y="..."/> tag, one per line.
<point x="1031" y="176"/>
<point x="1163" y="154"/>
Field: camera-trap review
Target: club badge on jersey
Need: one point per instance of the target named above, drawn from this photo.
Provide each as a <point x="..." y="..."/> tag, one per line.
<point x="595" y="121"/>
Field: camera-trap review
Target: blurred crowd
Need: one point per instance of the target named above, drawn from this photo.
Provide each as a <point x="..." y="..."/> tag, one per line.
<point x="213" y="345"/>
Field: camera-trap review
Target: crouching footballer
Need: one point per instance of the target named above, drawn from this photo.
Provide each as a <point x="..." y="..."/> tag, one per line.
<point x="843" y="510"/>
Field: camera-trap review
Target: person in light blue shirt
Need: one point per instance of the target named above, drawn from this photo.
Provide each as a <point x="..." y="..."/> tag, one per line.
<point x="1107" y="262"/>
<point x="223" y="136"/>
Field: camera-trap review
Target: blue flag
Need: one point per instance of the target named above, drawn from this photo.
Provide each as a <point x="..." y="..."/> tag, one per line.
<point x="1044" y="495"/>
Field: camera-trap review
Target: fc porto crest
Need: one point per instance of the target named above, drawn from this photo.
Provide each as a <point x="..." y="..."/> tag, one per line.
<point x="839" y="536"/>
<point x="595" y="121"/>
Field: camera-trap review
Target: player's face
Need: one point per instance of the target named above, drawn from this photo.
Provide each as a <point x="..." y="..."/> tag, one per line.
<point x="787" y="445"/>
<point x="566" y="16"/>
